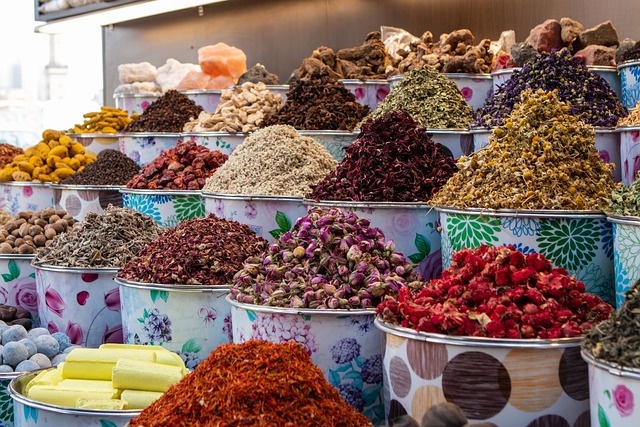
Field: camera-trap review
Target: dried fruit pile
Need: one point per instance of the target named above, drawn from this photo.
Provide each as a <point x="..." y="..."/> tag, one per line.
<point x="393" y="160"/>
<point x="498" y="292"/>
<point x="198" y="251"/>
<point x="329" y="259"/>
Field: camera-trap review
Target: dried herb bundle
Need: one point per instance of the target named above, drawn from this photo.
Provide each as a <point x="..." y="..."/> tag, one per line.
<point x="542" y="158"/>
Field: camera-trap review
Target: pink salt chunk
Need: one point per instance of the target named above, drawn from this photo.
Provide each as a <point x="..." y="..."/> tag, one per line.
<point x="221" y="59"/>
<point x="194" y="80"/>
<point x="221" y="82"/>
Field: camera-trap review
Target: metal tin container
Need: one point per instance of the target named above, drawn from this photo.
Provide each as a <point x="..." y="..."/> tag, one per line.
<point x="509" y="382"/>
<point x="498" y="78"/>
<point x="608" y="146"/>
<point x="18" y="196"/>
<point x="580" y="241"/>
<point x="358" y="88"/>
<point x="196" y="319"/>
<point x="629" y="153"/>
<point x="411" y="226"/>
<point x="614" y="393"/>
<point x="394" y="80"/>
<point x="6" y="403"/>
<point x="29" y="412"/>
<point x="144" y="147"/>
<point x="475" y="88"/>
<point x="18" y="286"/>
<point x="84" y="303"/>
<point x="459" y="142"/>
<point x="224" y="141"/>
<point x="377" y="90"/>
<point x="207" y="99"/>
<point x="78" y="200"/>
<point x="135" y="103"/>
<point x="281" y="90"/>
<point x="269" y="216"/>
<point x="166" y="207"/>
<point x="626" y="246"/>
<point x="335" y="141"/>
<point x="94" y="143"/>
<point x="630" y="82"/>
<point x="610" y="74"/>
<point x="481" y="137"/>
<point x="344" y="344"/>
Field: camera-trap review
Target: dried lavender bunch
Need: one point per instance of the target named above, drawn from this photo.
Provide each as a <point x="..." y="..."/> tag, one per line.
<point x="329" y="260"/>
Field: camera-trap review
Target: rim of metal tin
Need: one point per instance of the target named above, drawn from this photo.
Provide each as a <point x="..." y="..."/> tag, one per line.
<point x="175" y="287"/>
<point x="328" y="132"/>
<point x="93" y="135"/>
<point x="252" y="197"/>
<point x="57" y="186"/>
<point x="482" y="130"/>
<point x="202" y="92"/>
<point x="484" y="76"/>
<point x="300" y="311"/>
<point x="61" y="269"/>
<point x="10" y="375"/>
<point x="135" y="95"/>
<point x="19" y="397"/>
<point x="602" y="129"/>
<point x="545" y="213"/>
<point x="17" y="256"/>
<point x="602" y="67"/>
<point x="376" y="82"/>
<point x="354" y="204"/>
<point x="627" y="64"/>
<point x="147" y="134"/>
<point x="506" y="71"/>
<point x="26" y="184"/>
<point x="612" y="368"/>
<point x="476" y="341"/>
<point x="156" y="191"/>
<point x="271" y="87"/>
<point x="447" y="131"/>
<point x="628" y="128"/>
<point x="351" y="81"/>
<point x="623" y="219"/>
<point x="240" y="134"/>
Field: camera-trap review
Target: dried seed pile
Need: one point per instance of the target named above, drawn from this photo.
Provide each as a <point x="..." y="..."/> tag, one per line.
<point x="111" y="168"/>
<point x="169" y="113"/>
<point x="273" y="161"/>
<point x="108" y="239"/>
<point x="433" y="100"/>
<point x="542" y="158"/>
<point x="199" y="251"/>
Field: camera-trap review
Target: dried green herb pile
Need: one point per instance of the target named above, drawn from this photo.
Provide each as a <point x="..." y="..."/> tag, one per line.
<point x="542" y="158"/>
<point x="626" y="200"/>
<point x="618" y="340"/>
<point x="433" y="100"/>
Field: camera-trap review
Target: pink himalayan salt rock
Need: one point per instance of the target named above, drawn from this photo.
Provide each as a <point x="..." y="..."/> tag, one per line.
<point x="221" y="59"/>
<point x="194" y="80"/>
<point x="598" y="55"/>
<point x="221" y="82"/>
<point x="546" y="36"/>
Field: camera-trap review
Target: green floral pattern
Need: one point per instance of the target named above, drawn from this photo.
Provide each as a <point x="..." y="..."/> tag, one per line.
<point x="627" y="245"/>
<point x="568" y="242"/>
<point x="6" y="405"/>
<point x="597" y="283"/>
<point x="465" y="231"/>
<point x="187" y="207"/>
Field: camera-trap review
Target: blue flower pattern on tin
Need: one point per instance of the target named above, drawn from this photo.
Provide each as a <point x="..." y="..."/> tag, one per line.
<point x="606" y="233"/>
<point x="521" y="226"/>
<point x="141" y="204"/>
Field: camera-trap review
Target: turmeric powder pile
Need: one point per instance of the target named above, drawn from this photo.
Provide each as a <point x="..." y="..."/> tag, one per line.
<point x="53" y="159"/>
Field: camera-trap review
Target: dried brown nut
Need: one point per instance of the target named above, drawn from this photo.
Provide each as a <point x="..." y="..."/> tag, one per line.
<point x="24" y="214"/>
<point x="68" y="218"/>
<point x="6" y="248"/>
<point x="34" y="230"/>
<point x="47" y="212"/>
<point x="18" y="242"/>
<point x="7" y="312"/>
<point x="24" y="229"/>
<point x="61" y="212"/>
<point x="50" y="233"/>
<point x="53" y="218"/>
<point x="41" y="222"/>
<point x="21" y="313"/>
<point x="41" y="239"/>
<point x="26" y="249"/>
<point x="10" y="239"/>
<point x="10" y="226"/>
<point x="27" y="323"/>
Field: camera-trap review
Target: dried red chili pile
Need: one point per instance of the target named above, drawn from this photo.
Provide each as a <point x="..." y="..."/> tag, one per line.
<point x="198" y="251"/>
<point x="257" y="383"/>
<point x="169" y="113"/>
<point x="183" y="167"/>
<point x="498" y="292"/>
<point x="8" y="152"/>
<point x="393" y="160"/>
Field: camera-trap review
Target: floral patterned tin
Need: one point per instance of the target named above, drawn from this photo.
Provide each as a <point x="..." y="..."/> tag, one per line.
<point x="509" y="382"/>
<point x="626" y="253"/>
<point x="580" y="241"/>
<point x="610" y="74"/>
<point x="269" y="216"/>
<point x="608" y="146"/>
<point x="377" y="90"/>
<point x="459" y="142"/>
<point x="30" y="413"/>
<point x="475" y="88"/>
<point x="614" y="393"/>
<point x="136" y="103"/>
<point x="18" y="196"/>
<point x="94" y="143"/>
<point x="629" y="153"/>
<point x="358" y="88"/>
<point x="167" y="207"/>
<point x="6" y="403"/>
<point x="78" y="200"/>
<point x="18" y="286"/>
<point x="629" y="72"/>
<point x="334" y="141"/>
<point x="224" y="141"/>
<point x="84" y="303"/>
<point x="344" y="344"/>
<point x="207" y="99"/>
<point x="144" y="147"/>
<point x="413" y="228"/>
<point x="500" y="77"/>
<point x="480" y="137"/>
<point x="189" y="320"/>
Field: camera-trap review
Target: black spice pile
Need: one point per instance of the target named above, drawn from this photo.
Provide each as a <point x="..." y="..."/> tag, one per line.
<point x="632" y="54"/>
<point x="319" y="103"/>
<point x="393" y="160"/>
<point x="169" y="113"/>
<point x="111" y="168"/>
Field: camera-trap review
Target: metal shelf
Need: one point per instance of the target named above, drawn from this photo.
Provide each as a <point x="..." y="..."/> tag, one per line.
<point x="81" y="10"/>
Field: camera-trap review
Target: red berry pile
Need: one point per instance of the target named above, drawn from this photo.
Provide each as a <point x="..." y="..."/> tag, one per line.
<point x="498" y="292"/>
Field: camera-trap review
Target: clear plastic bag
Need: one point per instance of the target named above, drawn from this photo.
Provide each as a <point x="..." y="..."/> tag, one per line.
<point x="395" y="39"/>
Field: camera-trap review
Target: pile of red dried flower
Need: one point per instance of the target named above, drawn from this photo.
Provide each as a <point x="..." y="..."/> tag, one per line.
<point x="498" y="292"/>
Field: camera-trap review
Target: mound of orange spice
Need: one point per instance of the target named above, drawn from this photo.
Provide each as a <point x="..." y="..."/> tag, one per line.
<point x="253" y="384"/>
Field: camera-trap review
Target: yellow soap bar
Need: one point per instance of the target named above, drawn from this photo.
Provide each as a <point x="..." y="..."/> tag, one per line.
<point x="109" y="404"/>
<point x="163" y="355"/>
<point x="48" y="377"/>
<point x="139" y="375"/>
<point x="68" y="397"/>
<point x="97" y="364"/>
<point x="137" y="399"/>
<point x="76" y="383"/>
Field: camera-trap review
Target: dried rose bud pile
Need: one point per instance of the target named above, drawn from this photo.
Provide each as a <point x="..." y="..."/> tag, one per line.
<point x="183" y="167"/>
<point x="393" y="160"/>
<point x="199" y="251"/>
<point x="329" y="259"/>
<point x="498" y="292"/>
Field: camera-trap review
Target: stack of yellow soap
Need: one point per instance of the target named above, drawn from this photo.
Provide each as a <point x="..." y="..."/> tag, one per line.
<point x="114" y="377"/>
